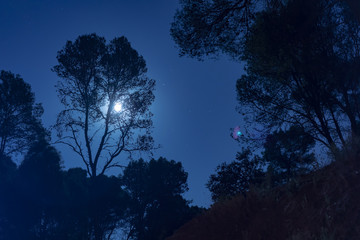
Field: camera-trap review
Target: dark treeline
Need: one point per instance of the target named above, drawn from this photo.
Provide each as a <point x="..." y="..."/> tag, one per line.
<point x="286" y="156"/>
<point x="41" y="200"/>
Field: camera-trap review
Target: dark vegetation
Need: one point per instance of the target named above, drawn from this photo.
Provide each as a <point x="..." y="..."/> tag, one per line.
<point x="321" y="205"/>
<point x="300" y="90"/>
<point x="301" y="61"/>
<point x="285" y="156"/>
<point x="40" y="200"/>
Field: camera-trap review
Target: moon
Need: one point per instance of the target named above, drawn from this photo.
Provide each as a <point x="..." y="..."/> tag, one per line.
<point x="117" y="107"/>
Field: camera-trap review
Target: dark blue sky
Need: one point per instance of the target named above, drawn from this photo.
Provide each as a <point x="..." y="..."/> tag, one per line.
<point x="195" y="101"/>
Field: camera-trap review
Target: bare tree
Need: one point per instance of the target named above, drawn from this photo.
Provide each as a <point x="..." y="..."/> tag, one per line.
<point x="106" y="95"/>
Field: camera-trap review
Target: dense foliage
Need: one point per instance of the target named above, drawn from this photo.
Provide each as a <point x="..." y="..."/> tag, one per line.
<point x="20" y="122"/>
<point x="303" y="72"/>
<point x="157" y="207"/>
<point x="40" y="200"/>
<point x="286" y="155"/>
<point x="236" y="177"/>
<point x="301" y="60"/>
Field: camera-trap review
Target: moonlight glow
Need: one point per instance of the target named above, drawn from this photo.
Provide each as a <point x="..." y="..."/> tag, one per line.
<point x="117" y="107"/>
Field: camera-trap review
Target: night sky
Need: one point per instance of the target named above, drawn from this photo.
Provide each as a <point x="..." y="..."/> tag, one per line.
<point x="195" y="101"/>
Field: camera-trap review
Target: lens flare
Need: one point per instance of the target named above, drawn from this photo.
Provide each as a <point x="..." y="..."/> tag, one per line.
<point x="237" y="133"/>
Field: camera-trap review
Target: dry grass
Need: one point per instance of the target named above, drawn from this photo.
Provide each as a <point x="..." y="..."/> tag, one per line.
<point x="322" y="205"/>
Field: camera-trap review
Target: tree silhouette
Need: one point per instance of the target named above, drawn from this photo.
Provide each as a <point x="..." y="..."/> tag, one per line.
<point x="20" y="122"/>
<point x="7" y="176"/>
<point x="288" y="153"/>
<point x="97" y="76"/>
<point x="108" y="203"/>
<point x="74" y="219"/>
<point x="157" y="207"/>
<point x="297" y="72"/>
<point x="32" y="199"/>
<point x="209" y="27"/>
<point x="236" y="177"/>
<point x="7" y="169"/>
<point x="307" y="76"/>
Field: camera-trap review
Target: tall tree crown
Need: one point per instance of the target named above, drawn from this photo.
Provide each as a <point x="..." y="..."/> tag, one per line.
<point x="20" y="122"/>
<point x="95" y="77"/>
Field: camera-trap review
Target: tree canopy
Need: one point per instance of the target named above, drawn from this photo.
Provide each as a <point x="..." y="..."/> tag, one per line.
<point x="236" y="177"/>
<point x="95" y="77"/>
<point x="287" y="154"/>
<point x="156" y="189"/>
<point x="20" y="123"/>
<point x="208" y="27"/>
<point x="303" y="72"/>
<point x="205" y="27"/>
<point x="301" y="61"/>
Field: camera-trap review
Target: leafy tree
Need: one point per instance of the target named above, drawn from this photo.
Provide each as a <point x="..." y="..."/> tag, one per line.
<point x="155" y="189"/>
<point x="33" y="198"/>
<point x="95" y="77"/>
<point x="7" y="175"/>
<point x="7" y="169"/>
<point x="167" y="216"/>
<point x="107" y="206"/>
<point x="20" y="122"/>
<point x="205" y="27"/>
<point x="298" y="72"/>
<point x="208" y="27"/>
<point x="288" y="153"/>
<point x="74" y="219"/>
<point x="295" y="78"/>
<point x="236" y="177"/>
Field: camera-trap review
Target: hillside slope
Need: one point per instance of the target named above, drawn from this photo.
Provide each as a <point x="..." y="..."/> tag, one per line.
<point x="322" y="205"/>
